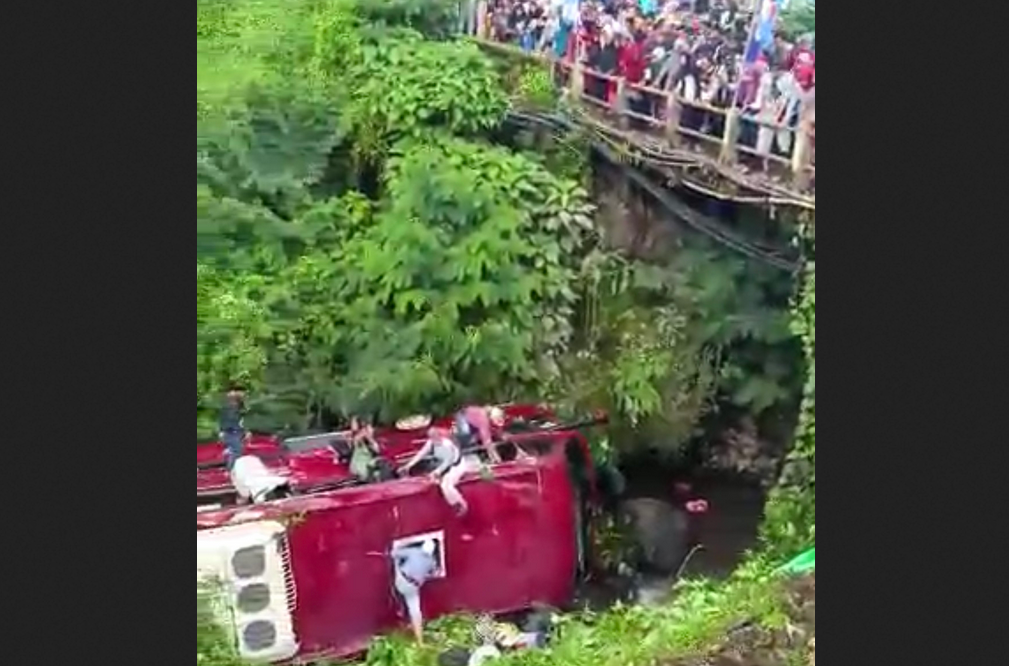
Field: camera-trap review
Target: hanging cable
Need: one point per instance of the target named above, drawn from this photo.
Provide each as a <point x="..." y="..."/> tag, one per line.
<point x="700" y="223"/>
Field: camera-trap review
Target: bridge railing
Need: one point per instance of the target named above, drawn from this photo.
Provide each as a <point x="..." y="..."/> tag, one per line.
<point x="783" y="151"/>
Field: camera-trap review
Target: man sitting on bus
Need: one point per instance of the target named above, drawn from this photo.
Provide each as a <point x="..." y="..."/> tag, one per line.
<point x="452" y="466"/>
<point x="364" y="452"/>
<point x="414" y="566"/>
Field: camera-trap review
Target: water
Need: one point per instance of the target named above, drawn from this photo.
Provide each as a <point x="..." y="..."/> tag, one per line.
<point x="728" y="532"/>
<point x="731" y="528"/>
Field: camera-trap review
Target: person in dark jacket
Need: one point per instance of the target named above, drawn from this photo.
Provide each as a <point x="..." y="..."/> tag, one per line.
<point x="232" y="425"/>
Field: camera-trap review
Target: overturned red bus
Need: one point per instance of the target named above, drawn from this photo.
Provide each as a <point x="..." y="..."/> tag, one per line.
<point x="309" y="577"/>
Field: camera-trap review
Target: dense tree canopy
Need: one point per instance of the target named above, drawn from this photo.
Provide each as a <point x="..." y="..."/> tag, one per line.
<point x="360" y="245"/>
<point x="799" y="19"/>
<point x="372" y="238"/>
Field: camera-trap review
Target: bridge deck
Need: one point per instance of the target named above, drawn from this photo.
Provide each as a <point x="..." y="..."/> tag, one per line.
<point x="715" y="151"/>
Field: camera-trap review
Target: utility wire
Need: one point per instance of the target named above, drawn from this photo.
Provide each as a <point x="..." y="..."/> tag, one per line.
<point x="700" y="223"/>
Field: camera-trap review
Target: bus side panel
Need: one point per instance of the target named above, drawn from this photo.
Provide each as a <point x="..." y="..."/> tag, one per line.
<point x="342" y="575"/>
<point x="516" y="547"/>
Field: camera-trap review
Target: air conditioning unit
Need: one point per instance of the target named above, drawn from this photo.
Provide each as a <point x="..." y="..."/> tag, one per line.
<point x="250" y="562"/>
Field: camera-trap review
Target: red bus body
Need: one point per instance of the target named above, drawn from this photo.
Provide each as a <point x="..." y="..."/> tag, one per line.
<point x="519" y="545"/>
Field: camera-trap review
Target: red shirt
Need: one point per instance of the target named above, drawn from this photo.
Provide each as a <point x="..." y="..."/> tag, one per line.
<point x="632" y="62"/>
<point x="804" y="67"/>
<point x="479" y="419"/>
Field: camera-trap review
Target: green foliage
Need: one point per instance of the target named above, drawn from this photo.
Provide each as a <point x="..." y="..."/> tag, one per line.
<point x="229" y="328"/>
<point x="567" y="156"/>
<point x="534" y="88"/>
<point x="661" y="346"/>
<point x="636" y="358"/>
<point x="239" y="47"/>
<point x="435" y="19"/>
<point x="406" y="86"/>
<point x="732" y="303"/>
<point x="790" y="525"/>
<point x="397" y="261"/>
<point x="212" y="645"/>
<point x="799" y="20"/>
<point x="700" y="615"/>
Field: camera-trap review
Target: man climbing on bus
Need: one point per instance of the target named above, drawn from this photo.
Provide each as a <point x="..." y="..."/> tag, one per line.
<point x="414" y="566"/>
<point x="451" y="466"/>
<point x="484" y="425"/>
<point x="480" y="424"/>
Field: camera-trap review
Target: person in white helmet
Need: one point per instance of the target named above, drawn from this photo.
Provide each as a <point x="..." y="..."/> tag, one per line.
<point x="414" y="566"/>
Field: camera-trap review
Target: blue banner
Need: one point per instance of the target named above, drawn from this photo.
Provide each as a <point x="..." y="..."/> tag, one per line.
<point x="765" y="23"/>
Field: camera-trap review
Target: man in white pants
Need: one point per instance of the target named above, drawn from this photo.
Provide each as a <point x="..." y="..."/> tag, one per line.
<point x="452" y="466"/>
<point x="414" y="566"/>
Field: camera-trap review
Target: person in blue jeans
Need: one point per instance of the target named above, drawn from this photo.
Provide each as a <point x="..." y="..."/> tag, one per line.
<point x="232" y="425"/>
<point x="413" y="567"/>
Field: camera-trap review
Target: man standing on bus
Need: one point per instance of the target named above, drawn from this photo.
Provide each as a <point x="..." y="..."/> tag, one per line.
<point x="414" y="566"/>
<point x="232" y="425"/>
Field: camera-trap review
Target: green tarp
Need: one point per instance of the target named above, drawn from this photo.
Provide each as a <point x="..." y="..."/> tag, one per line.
<point x="801" y="565"/>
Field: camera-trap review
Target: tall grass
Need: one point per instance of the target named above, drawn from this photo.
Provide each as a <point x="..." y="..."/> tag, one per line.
<point x="701" y="613"/>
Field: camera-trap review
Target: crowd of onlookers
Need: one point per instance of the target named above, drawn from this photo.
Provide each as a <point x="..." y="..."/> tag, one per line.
<point x="697" y="48"/>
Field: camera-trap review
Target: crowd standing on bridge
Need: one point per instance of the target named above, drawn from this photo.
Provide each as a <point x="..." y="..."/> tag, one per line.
<point x="711" y="53"/>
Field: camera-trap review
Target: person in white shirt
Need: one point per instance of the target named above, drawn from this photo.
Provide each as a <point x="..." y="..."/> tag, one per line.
<point x="414" y="566"/>
<point x="255" y="484"/>
<point x="452" y="466"/>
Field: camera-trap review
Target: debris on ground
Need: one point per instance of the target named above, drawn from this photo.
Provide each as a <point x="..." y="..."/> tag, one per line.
<point x="496" y="638"/>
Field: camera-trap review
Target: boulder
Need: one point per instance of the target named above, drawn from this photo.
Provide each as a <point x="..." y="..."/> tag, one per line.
<point x="661" y="533"/>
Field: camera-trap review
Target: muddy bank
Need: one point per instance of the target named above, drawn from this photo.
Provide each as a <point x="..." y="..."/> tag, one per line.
<point x="751" y="645"/>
